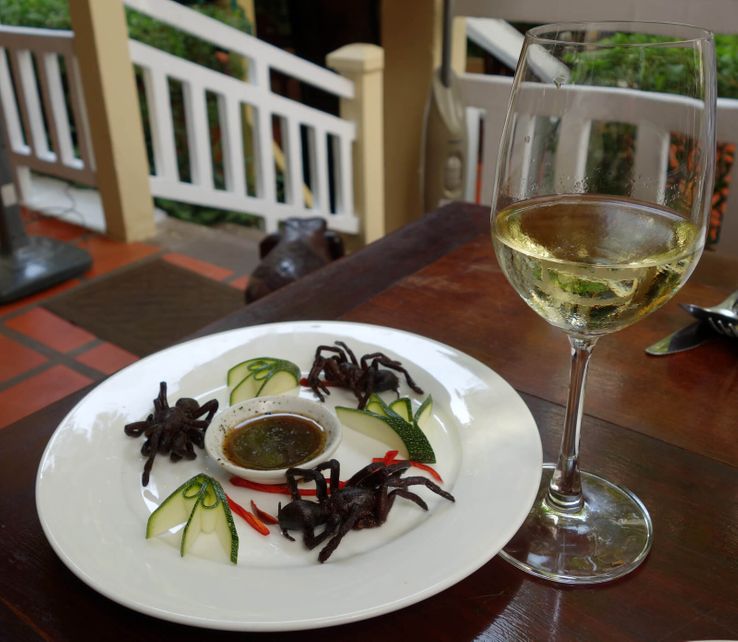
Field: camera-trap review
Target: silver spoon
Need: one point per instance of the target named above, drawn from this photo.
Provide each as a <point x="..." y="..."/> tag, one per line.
<point x="724" y="310"/>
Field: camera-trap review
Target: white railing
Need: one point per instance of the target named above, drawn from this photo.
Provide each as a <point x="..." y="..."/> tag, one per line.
<point x="39" y="77"/>
<point x="38" y="68"/>
<point x="486" y="96"/>
<point x="330" y="183"/>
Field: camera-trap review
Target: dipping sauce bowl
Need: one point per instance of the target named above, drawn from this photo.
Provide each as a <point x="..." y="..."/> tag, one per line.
<point x="261" y="438"/>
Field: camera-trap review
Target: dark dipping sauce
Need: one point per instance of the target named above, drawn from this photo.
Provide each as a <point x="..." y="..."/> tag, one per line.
<point x="273" y="441"/>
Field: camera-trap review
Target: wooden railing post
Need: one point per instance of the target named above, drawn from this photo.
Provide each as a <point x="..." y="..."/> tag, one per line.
<point x="364" y="65"/>
<point x="122" y="169"/>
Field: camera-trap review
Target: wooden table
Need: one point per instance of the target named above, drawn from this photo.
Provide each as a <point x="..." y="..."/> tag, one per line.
<point x="666" y="427"/>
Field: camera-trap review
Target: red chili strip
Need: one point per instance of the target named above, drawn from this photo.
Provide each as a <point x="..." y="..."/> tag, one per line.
<point x="250" y="519"/>
<point x="431" y="471"/>
<point x="279" y="489"/>
<point x="263" y="515"/>
<point x="390" y="457"/>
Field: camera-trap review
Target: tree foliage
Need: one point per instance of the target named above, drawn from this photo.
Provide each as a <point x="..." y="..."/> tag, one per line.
<point x="663" y="67"/>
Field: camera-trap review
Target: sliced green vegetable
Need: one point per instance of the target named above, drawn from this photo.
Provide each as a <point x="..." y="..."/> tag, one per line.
<point x="176" y="508"/>
<point x="202" y="503"/>
<point x="403" y="408"/>
<point x="261" y="377"/>
<point x="192" y="528"/>
<point x="376" y="404"/>
<point x="390" y="427"/>
<point x="423" y="413"/>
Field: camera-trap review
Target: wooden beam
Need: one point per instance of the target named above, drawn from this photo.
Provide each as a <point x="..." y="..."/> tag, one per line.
<point x="412" y="42"/>
<point x="122" y="169"/>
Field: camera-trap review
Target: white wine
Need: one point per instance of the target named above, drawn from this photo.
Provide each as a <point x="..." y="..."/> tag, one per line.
<point x="593" y="264"/>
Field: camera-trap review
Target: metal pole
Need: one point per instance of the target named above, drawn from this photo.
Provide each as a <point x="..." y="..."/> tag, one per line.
<point x="12" y="234"/>
<point x="446" y="45"/>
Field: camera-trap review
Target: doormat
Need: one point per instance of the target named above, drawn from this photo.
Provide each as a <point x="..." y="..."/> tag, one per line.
<point x="149" y="307"/>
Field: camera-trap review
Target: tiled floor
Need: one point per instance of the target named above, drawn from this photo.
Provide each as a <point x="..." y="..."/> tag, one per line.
<point x="44" y="358"/>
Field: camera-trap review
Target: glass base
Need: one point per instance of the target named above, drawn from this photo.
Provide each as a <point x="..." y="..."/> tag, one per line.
<point x="608" y="538"/>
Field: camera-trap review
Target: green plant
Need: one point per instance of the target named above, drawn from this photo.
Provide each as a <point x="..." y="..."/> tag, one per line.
<point x="54" y="14"/>
<point x="47" y="14"/>
<point x="615" y="63"/>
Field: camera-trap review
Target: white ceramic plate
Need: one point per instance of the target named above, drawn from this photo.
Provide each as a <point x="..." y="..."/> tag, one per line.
<point x="93" y="508"/>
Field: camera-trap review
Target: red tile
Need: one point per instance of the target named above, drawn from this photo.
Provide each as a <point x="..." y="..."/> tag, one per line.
<point x="15" y="359"/>
<point x="108" y="255"/>
<point x="49" y="329"/>
<point x="36" y="298"/>
<point x="107" y="358"/>
<point x="240" y="283"/>
<point x="196" y="265"/>
<point x="38" y="391"/>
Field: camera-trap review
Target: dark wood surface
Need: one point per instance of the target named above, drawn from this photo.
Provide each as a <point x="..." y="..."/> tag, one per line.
<point x="665" y="427"/>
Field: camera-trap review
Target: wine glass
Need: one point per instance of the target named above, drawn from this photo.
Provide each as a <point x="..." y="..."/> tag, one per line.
<point x="599" y="215"/>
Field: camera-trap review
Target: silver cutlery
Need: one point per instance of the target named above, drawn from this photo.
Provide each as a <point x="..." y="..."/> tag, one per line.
<point x="725" y="327"/>
<point x="721" y="319"/>
<point x="683" y="339"/>
<point x="727" y="309"/>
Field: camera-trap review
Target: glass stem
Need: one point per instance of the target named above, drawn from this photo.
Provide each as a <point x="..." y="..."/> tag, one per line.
<point x="565" y="489"/>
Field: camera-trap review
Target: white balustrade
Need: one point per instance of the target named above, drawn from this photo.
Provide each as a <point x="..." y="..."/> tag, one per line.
<point x="316" y="183"/>
<point x="329" y="182"/>
<point x="35" y="66"/>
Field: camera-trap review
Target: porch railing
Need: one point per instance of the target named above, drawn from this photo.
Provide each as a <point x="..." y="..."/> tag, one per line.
<point x="299" y="126"/>
<point x="38" y="72"/>
<point x="279" y="157"/>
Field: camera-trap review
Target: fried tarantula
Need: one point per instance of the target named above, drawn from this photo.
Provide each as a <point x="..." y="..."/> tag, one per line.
<point x="362" y="377"/>
<point x="363" y="502"/>
<point x="172" y="430"/>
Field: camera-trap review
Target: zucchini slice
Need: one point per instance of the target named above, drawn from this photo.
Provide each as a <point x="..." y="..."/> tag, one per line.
<point x="423" y="413"/>
<point x="376" y="404"/>
<point x="261" y="377"/>
<point x="201" y="502"/>
<point x="402" y="407"/>
<point x="176" y="508"/>
<point x="222" y="520"/>
<point x="192" y="528"/>
<point x="393" y="430"/>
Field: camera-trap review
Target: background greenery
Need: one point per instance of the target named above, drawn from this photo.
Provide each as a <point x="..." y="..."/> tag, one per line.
<point x="662" y="69"/>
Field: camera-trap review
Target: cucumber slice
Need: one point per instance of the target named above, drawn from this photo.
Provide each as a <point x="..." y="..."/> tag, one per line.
<point x="261" y="377"/>
<point x="239" y="372"/>
<point x="376" y="405"/>
<point x="203" y="504"/>
<point x="209" y="502"/>
<point x="403" y="408"/>
<point x="192" y="528"/>
<point x="225" y="527"/>
<point x="215" y="515"/>
<point x="176" y="508"/>
<point x="424" y="413"/>
<point x="393" y="430"/>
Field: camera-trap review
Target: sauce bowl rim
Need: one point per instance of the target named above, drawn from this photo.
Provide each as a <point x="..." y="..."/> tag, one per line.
<point x="233" y="416"/>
